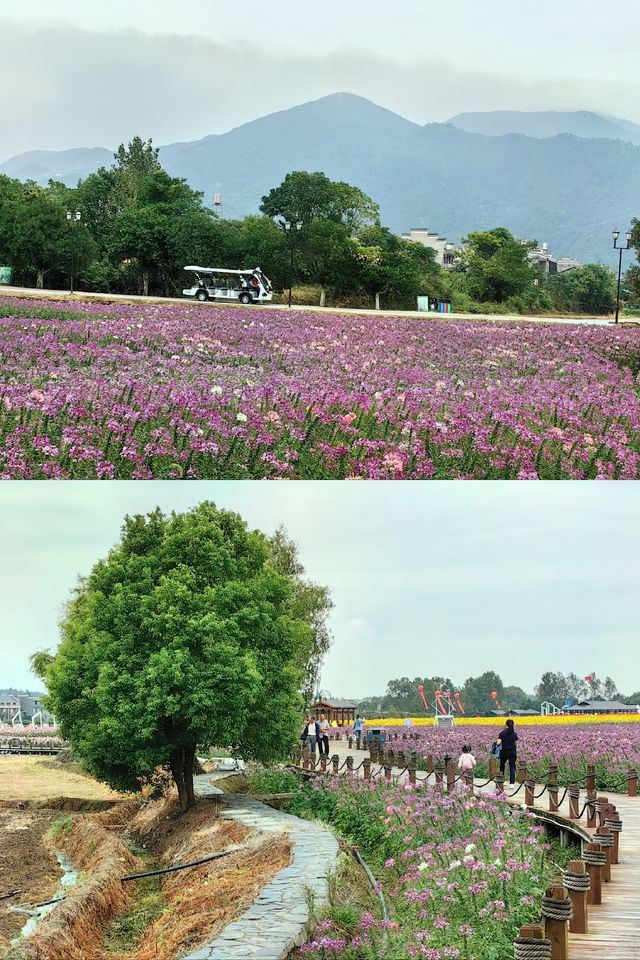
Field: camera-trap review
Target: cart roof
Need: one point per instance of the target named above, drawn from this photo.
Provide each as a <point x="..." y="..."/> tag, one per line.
<point x="210" y="270"/>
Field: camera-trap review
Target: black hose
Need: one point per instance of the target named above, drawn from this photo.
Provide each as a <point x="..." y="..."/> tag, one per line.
<point x="182" y="866"/>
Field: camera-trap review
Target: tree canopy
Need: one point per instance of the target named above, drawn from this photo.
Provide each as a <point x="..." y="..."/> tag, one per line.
<point x="188" y="634"/>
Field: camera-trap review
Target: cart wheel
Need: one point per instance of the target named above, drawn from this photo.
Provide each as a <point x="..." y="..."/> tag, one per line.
<point x="202" y="295"/>
<point x="245" y="297"/>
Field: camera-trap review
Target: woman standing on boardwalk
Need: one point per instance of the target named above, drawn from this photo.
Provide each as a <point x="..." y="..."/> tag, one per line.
<point x="508" y="751"/>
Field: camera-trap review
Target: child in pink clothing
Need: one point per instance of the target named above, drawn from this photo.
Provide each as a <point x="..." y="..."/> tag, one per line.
<point x="467" y="761"/>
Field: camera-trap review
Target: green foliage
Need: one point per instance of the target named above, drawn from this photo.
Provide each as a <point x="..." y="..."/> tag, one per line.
<point x="496" y="265"/>
<point x="307" y="197"/>
<point x="268" y="780"/>
<point x="127" y="929"/>
<point x="60" y="826"/>
<point x="179" y="637"/>
<point x="310" y="603"/>
<point x="588" y="289"/>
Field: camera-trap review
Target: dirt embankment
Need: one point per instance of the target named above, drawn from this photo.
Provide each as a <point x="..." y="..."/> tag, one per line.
<point x="28" y="868"/>
<point x="154" y="919"/>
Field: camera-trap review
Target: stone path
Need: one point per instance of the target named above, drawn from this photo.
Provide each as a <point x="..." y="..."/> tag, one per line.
<point x="279" y="919"/>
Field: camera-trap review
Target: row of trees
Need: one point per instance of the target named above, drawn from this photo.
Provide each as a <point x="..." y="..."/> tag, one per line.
<point x="138" y="228"/>
<point x="194" y="632"/>
<point x="402" y="696"/>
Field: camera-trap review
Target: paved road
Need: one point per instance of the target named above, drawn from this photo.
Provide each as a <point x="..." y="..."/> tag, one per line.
<point x="84" y="296"/>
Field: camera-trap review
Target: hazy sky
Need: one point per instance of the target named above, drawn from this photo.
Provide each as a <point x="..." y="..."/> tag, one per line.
<point x="427" y="578"/>
<point x="89" y="73"/>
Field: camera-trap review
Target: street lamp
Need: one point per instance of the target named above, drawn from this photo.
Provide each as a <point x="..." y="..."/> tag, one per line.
<point x="615" y="234"/>
<point x="293" y="229"/>
<point x="73" y="217"/>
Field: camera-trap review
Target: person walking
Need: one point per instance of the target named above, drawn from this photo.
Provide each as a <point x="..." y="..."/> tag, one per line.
<point x="508" y="751"/>
<point x="313" y="735"/>
<point x="323" y="729"/>
<point x="358" y="724"/>
<point x="466" y="761"/>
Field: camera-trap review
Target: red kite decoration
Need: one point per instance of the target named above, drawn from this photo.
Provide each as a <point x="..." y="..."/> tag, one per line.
<point x="421" y="692"/>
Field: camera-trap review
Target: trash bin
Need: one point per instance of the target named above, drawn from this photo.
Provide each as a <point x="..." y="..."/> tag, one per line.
<point x="423" y="304"/>
<point x="444" y="306"/>
<point x="6" y="274"/>
<point x="376" y="733"/>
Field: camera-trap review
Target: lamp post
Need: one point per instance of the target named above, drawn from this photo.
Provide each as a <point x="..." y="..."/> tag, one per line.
<point x="293" y="229"/>
<point x="73" y="217"/>
<point x="615" y="234"/>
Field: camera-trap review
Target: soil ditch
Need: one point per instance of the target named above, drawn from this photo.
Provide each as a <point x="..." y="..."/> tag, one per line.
<point x="158" y="918"/>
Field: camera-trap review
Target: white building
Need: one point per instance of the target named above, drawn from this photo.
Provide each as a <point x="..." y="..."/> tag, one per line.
<point x="444" y="250"/>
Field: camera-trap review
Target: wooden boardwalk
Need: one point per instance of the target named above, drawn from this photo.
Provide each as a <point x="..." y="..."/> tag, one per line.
<point x="614" y="925"/>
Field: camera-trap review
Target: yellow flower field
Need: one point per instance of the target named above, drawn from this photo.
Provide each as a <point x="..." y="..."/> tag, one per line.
<point x="521" y="721"/>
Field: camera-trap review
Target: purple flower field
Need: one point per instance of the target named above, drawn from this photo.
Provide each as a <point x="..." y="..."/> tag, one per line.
<point x="611" y="747"/>
<point x="460" y="874"/>
<point x="130" y="391"/>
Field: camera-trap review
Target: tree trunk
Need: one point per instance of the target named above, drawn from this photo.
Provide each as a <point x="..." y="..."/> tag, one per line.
<point x="323" y="296"/>
<point x="189" y="766"/>
<point x="145" y="283"/>
<point x="377" y="304"/>
<point x="182" y="778"/>
<point x="40" y="278"/>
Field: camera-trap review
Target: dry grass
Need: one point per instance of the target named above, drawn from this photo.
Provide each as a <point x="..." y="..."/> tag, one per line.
<point x="75" y="928"/>
<point x="187" y="909"/>
<point x="36" y="778"/>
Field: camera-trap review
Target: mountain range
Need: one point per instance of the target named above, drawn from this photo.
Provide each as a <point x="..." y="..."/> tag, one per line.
<point x="564" y="178"/>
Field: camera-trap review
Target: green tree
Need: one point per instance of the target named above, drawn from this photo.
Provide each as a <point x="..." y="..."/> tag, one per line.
<point x="305" y="197"/>
<point x="589" y="289"/>
<point x="329" y="257"/>
<point x="476" y="693"/>
<point x="496" y="265"/>
<point x="515" y="698"/>
<point x="183" y="636"/>
<point x="37" y="236"/>
<point x="398" y="269"/>
<point x="311" y="603"/>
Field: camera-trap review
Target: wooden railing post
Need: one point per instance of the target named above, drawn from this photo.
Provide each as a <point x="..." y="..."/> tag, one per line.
<point x="632" y="782"/>
<point x="451" y="777"/>
<point x="412" y="771"/>
<point x="614" y="823"/>
<point x="590" y="779"/>
<point x="529" y="798"/>
<point x="429" y="763"/>
<point x="350" y="742"/>
<point x="553" y="773"/>
<point x="349" y="764"/>
<point x="574" y="801"/>
<point x="530" y="936"/>
<point x="439" y="768"/>
<point x="522" y="771"/>
<point x="499" y="782"/>
<point x="335" y="763"/>
<point x="306" y="759"/>
<point x="467" y="779"/>
<point x="602" y="810"/>
<point x="387" y="771"/>
<point x="595" y="859"/>
<point x="604" y="837"/>
<point x="312" y="761"/>
<point x="556" y="910"/>
<point x="591" y="809"/>
<point x="401" y="760"/>
<point x="367" y="769"/>
<point x="493" y="767"/>
<point x="576" y="880"/>
<point x="323" y="764"/>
